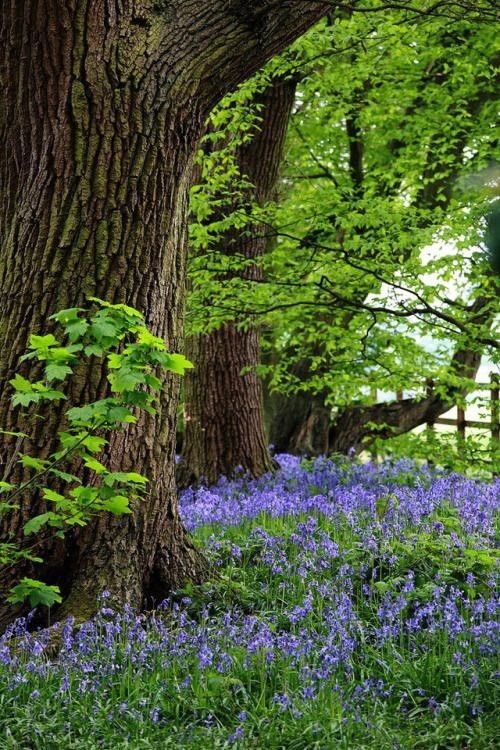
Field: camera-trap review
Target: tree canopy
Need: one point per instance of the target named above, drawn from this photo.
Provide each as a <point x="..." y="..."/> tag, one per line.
<point x="376" y="270"/>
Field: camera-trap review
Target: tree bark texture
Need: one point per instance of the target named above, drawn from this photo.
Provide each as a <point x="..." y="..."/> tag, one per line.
<point x="223" y="401"/>
<point x="103" y="103"/>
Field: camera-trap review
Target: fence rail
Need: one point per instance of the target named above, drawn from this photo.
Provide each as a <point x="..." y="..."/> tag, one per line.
<point x="461" y="423"/>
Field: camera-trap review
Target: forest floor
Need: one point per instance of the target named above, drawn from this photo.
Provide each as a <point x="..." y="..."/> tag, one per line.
<point x="352" y="606"/>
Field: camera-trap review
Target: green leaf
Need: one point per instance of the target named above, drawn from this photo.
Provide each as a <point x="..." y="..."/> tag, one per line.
<point x="94" y="443"/>
<point x="130" y="311"/>
<point x="20" y="384"/>
<point x="104" y="330"/>
<point x="95" y="465"/>
<point x="65" y="476"/>
<point x="68" y="440"/>
<point x="84" y="414"/>
<point x="42" y="342"/>
<point x="30" y="462"/>
<point x="64" y="316"/>
<point x="142" y="399"/>
<point x="178" y="363"/>
<point x="52" y="395"/>
<point x="125" y="476"/>
<point x="64" y="354"/>
<point x="133" y="476"/>
<point x="57" y="372"/>
<point x="115" y="361"/>
<point x="94" y="349"/>
<point x="4" y="507"/>
<point x="6" y="487"/>
<point x="119" y="505"/>
<point x="126" y="379"/>
<point x="146" y="337"/>
<point x="28" y="356"/>
<point x="33" y="392"/>
<point x="36" y="592"/>
<point x="80" y="413"/>
<point x="76" y="329"/>
<point x="34" y="525"/>
<point x="84" y="495"/>
<point x="54" y="497"/>
<point x="121" y="414"/>
<point x="153" y="382"/>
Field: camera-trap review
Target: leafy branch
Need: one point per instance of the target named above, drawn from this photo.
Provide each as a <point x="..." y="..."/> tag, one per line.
<point x="133" y="356"/>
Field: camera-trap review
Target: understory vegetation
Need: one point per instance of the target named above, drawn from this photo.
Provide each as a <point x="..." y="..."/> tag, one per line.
<point x="351" y="606"/>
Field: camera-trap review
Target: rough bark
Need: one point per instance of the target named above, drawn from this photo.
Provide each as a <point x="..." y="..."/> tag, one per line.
<point x="223" y="401"/>
<point x="103" y="102"/>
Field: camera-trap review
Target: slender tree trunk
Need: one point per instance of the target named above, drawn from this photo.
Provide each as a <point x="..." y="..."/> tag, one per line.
<point x="223" y="401"/>
<point x="103" y="102"/>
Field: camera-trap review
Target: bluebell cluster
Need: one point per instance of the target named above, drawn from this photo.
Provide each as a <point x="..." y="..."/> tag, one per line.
<point x="327" y="546"/>
<point x="348" y="490"/>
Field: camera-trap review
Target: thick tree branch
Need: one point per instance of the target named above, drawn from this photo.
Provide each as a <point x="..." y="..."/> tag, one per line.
<point x="229" y="40"/>
<point x="358" y="426"/>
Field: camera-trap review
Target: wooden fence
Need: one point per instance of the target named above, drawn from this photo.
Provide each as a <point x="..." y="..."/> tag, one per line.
<point x="460" y="422"/>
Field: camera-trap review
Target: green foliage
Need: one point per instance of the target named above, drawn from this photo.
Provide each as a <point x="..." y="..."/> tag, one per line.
<point x="135" y="360"/>
<point x="376" y="262"/>
<point x="476" y="455"/>
<point x="353" y="260"/>
<point x="36" y="592"/>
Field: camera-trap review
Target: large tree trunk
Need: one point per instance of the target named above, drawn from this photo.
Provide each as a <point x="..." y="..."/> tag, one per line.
<point x="103" y="102"/>
<point x="223" y="402"/>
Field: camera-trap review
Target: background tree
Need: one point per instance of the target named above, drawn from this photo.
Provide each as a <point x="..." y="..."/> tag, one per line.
<point x="103" y="105"/>
<point x="223" y="404"/>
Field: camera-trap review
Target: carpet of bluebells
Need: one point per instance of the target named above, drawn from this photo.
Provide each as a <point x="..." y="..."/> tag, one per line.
<point x="351" y="606"/>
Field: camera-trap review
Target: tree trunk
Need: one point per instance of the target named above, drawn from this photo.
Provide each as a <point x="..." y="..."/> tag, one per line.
<point x="223" y="402"/>
<point x="298" y="423"/>
<point x="102" y="108"/>
<point x="301" y="423"/>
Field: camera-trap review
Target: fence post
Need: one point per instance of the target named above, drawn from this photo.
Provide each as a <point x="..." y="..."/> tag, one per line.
<point x="495" y="419"/>
<point x="461" y="422"/>
<point x="495" y="410"/>
<point x="373" y="451"/>
<point x="428" y="392"/>
<point x="429" y="428"/>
